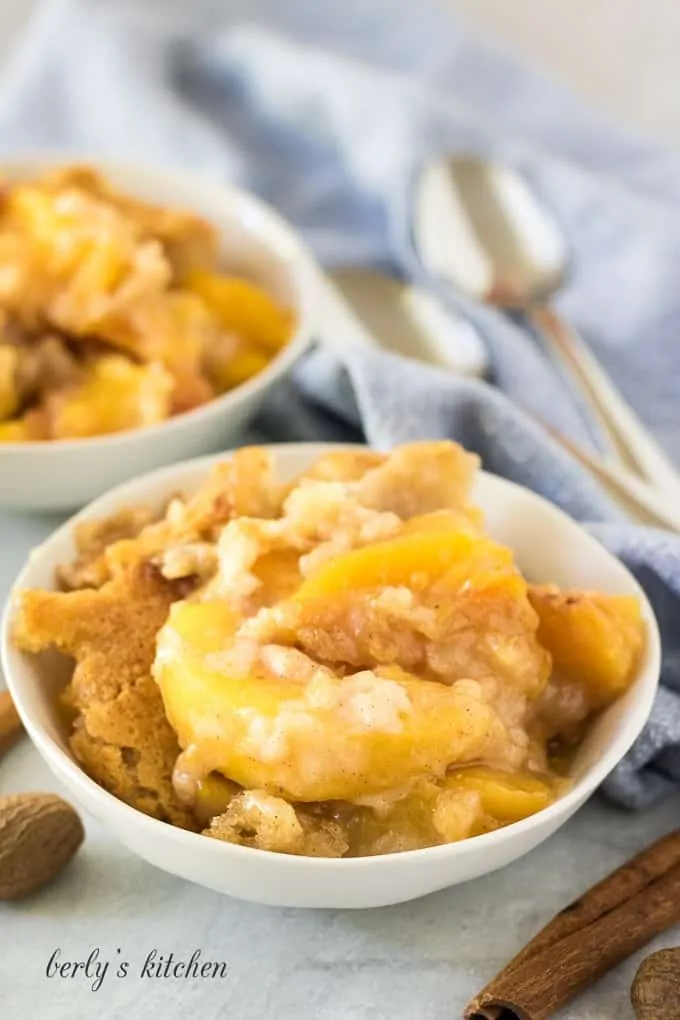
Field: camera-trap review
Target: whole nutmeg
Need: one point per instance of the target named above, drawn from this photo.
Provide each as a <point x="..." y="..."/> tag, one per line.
<point x="39" y="834"/>
<point x="656" y="989"/>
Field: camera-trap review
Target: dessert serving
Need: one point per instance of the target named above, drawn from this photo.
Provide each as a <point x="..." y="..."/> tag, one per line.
<point x="344" y="665"/>
<point x="117" y="313"/>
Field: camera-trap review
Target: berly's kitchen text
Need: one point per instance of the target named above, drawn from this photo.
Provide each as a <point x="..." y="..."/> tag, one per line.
<point x="96" y="968"/>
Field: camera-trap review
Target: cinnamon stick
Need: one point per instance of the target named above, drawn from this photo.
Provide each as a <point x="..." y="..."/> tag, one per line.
<point x="589" y="937"/>
<point x="10" y="724"/>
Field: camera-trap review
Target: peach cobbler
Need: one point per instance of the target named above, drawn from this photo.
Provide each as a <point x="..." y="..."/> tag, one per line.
<point x="344" y="665"/>
<point x="116" y="313"/>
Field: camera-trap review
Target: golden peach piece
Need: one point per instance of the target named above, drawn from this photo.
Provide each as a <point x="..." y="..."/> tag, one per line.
<point x="594" y="639"/>
<point x="115" y="395"/>
<point x="243" y="308"/>
<point x="9" y="395"/>
<point x="428" y="814"/>
<point x="288" y="725"/>
<point x="228" y="372"/>
<point x="415" y="560"/>
<point x="29" y="428"/>
<point x="505" y="796"/>
<point x="14" y="432"/>
<point x="442" y="601"/>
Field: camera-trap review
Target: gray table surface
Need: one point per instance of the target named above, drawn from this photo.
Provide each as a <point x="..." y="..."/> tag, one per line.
<point x="421" y="959"/>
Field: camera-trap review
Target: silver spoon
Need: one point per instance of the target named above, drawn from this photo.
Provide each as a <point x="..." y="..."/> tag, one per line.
<point x="406" y="319"/>
<point x="478" y="225"/>
<point x="365" y="308"/>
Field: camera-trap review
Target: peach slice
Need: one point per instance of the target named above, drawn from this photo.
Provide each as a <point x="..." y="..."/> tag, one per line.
<point x="284" y="724"/>
<point x="414" y="560"/>
<point x="595" y="639"/>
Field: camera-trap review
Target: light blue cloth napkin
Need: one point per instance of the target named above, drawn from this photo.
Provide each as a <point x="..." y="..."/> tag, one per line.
<point x="328" y="111"/>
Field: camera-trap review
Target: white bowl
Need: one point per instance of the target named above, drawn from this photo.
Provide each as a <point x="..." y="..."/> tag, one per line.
<point x="548" y="545"/>
<point x="65" y="474"/>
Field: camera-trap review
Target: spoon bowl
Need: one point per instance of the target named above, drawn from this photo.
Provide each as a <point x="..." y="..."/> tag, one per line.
<point x="406" y="319"/>
<point x="480" y="227"/>
<point x="512" y="253"/>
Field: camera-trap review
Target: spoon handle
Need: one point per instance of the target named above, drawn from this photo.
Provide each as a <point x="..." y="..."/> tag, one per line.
<point x="639" y="500"/>
<point x="634" y="444"/>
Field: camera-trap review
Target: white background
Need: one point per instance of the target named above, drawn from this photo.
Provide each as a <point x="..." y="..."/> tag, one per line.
<point x="621" y="54"/>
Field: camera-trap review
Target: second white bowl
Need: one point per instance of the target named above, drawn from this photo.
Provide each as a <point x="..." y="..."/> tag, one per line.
<point x="256" y="241"/>
<point x="548" y="546"/>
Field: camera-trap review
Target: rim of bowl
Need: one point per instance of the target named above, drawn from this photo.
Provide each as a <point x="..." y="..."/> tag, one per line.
<point x="300" y="271"/>
<point x="107" y="804"/>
